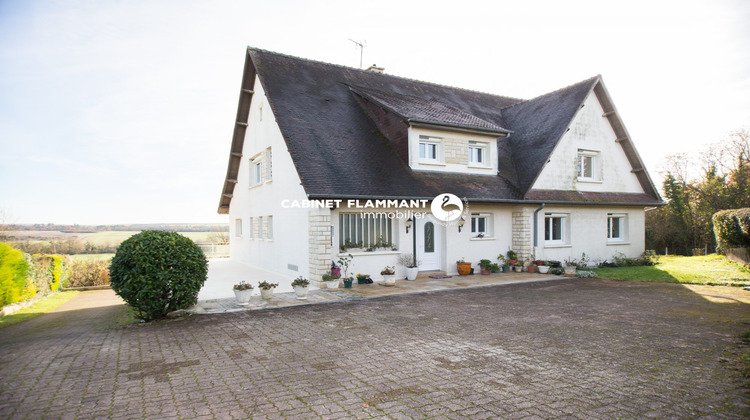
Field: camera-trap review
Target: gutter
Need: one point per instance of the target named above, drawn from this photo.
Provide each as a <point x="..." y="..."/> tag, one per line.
<point x="484" y="200"/>
<point x="536" y="223"/>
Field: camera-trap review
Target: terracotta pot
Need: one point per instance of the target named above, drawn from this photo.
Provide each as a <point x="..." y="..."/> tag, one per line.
<point x="532" y="268"/>
<point x="485" y="271"/>
<point x="464" y="268"/>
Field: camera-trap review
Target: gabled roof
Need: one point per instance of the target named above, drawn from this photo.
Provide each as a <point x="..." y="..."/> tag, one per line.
<point x="345" y="130"/>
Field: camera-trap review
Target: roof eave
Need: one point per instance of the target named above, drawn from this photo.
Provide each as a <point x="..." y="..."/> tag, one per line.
<point x="463" y="128"/>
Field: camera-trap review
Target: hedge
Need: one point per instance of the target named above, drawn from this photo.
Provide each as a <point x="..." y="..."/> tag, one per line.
<point x="88" y="273"/>
<point x="14" y="269"/>
<point x="732" y="229"/>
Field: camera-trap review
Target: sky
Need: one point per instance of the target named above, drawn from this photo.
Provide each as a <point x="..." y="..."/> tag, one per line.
<point x="123" y="111"/>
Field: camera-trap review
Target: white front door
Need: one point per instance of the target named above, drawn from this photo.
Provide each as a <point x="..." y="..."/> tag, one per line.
<point x="428" y="243"/>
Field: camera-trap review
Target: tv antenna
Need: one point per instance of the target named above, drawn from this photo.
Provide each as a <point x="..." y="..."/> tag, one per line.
<point x="361" y="46"/>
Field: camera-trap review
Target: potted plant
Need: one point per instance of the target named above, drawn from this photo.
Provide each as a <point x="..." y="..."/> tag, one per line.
<point x="517" y="266"/>
<point x="331" y="281"/>
<point x="364" y="279"/>
<point x="242" y="292"/>
<point x="531" y="267"/>
<point x="266" y="289"/>
<point x="411" y="264"/>
<point x="335" y="270"/>
<point x="543" y="267"/>
<point x="495" y="268"/>
<point x="300" y="286"/>
<point x="389" y="276"/>
<point x="511" y="257"/>
<point x="345" y="262"/>
<point x="485" y="266"/>
<point x="570" y="267"/>
<point x="464" y="268"/>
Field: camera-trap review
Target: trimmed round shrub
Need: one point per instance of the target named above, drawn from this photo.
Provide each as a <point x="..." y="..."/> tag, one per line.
<point x="158" y="272"/>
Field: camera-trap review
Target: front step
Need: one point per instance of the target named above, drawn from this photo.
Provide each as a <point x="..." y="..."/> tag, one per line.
<point x="427" y="274"/>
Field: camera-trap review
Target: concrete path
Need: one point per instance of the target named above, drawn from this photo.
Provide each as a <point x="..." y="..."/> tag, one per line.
<point x="572" y="348"/>
<point x="223" y="273"/>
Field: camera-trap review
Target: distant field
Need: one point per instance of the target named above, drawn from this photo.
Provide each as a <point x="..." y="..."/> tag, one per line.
<point x="97" y="238"/>
<point x="92" y="257"/>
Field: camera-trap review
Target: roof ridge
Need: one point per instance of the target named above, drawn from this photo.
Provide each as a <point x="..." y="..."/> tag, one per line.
<point x="310" y="60"/>
<point x="589" y="80"/>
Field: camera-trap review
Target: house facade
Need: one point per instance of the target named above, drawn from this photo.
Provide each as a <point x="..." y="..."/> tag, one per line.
<point x="328" y="161"/>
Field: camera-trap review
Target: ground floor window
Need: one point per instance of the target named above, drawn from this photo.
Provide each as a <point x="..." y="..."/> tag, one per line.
<point x="555" y="228"/>
<point x="365" y="230"/>
<point x="238" y="228"/>
<point x="480" y="225"/>
<point x="616" y="227"/>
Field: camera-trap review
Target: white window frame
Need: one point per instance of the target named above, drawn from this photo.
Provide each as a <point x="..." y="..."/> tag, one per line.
<point x="549" y="228"/>
<point x="478" y="153"/>
<point x="431" y="142"/>
<point x="260" y="227"/>
<point x="593" y="155"/>
<point x="256" y="171"/>
<point x="269" y="228"/>
<point x="622" y="230"/>
<point x="367" y="228"/>
<point x="478" y="233"/>
<point x="238" y="228"/>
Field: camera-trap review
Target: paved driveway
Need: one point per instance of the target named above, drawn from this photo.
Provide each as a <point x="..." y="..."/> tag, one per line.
<point x="571" y="348"/>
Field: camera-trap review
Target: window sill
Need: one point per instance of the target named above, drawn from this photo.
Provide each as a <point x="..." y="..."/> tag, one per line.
<point x="486" y="238"/>
<point x="431" y="162"/>
<point x="558" y="245"/>
<point x="589" y="181"/>
<point x="615" y="243"/>
<point x="479" y="167"/>
<point x="254" y="186"/>
<point x="365" y="253"/>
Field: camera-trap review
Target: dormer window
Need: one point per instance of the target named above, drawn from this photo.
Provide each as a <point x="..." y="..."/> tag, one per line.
<point x="588" y="165"/>
<point x="478" y="153"/>
<point x="429" y="149"/>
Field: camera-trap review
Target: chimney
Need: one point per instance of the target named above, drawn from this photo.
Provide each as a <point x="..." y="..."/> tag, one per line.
<point x="375" y="68"/>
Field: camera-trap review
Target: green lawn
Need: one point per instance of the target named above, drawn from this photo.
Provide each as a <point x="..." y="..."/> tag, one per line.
<point x="38" y="308"/>
<point x="710" y="269"/>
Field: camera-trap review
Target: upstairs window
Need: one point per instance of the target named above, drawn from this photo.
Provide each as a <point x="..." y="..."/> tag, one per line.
<point x="429" y="149"/>
<point x="587" y="165"/>
<point x="478" y="153"/>
<point x="269" y="166"/>
<point x="256" y="171"/>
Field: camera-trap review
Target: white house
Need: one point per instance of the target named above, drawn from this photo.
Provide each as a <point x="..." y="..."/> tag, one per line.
<point x="316" y="146"/>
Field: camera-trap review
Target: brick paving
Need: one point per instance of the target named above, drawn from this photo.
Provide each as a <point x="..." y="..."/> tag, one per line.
<point x="571" y="348"/>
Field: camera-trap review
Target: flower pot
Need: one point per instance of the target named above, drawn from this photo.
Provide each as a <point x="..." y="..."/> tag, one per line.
<point x="544" y="269"/>
<point x="348" y="283"/>
<point x="506" y="268"/>
<point x="335" y="272"/>
<point x="532" y="268"/>
<point x="266" y="293"/>
<point x="464" y="268"/>
<point x="570" y="270"/>
<point x="389" y="280"/>
<point x="485" y="271"/>
<point x="332" y="284"/>
<point x="517" y="268"/>
<point x="243" y="296"/>
<point x="365" y="280"/>
<point x="411" y="273"/>
<point x="301" y="292"/>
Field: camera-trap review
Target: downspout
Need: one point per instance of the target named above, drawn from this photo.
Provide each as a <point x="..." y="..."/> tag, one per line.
<point x="536" y="226"/>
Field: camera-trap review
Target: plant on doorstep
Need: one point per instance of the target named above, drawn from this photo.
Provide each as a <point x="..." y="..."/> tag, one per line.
<point x="243" y="291"/>
<point x="486" y="266"/>
<point x="411" y="264"/>
<point x="266" y="289"/>
<point x="463" y="267"/>
<point x="345" y="262"/>
<point x="332" y="282"/>
<point x="300" y="286"/>
<point x="389" y="275"/>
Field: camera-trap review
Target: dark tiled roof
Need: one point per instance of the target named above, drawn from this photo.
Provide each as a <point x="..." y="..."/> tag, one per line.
<point x="422" y="110"/>
<point x="346" y="144"/>
<point x="537" y="126"/>
<point x="551" y="196"/>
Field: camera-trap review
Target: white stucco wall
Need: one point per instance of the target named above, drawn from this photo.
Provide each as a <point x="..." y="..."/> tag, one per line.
<point x="587" y="232"/>
<point x="589" y="131"/>
<point x="289" y="245"/>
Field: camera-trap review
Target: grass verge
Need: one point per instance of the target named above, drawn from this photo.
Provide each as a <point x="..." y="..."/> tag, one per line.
<point x="38" y="308"/>
<point x="710" y="269"/>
